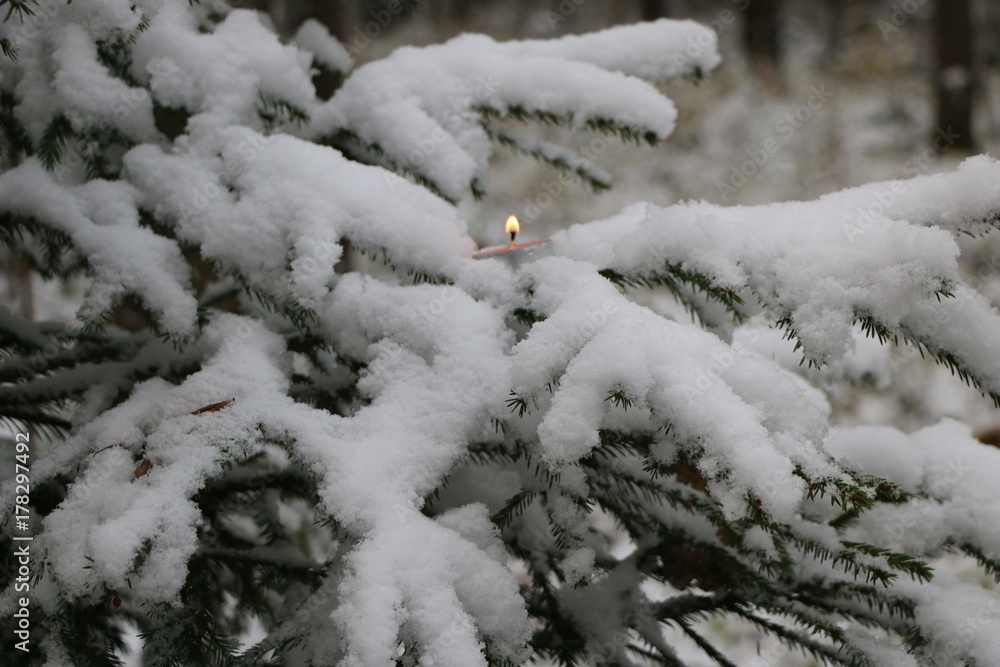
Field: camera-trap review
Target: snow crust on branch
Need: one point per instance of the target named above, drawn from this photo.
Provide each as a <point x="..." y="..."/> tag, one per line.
<point x="771" y="426"/>
<point x="808" y="263"/>
<point x="421" y="106"/>
<point x="102" y="219"/>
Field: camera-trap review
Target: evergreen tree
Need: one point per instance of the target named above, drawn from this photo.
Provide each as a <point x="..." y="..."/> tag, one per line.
<point x="431" y="460"/>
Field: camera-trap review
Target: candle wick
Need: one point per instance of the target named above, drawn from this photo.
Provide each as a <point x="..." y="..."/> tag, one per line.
<point x="512" y="235"/>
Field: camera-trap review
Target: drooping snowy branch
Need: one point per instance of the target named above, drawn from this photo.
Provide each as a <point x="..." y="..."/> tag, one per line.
<point x="578" y="352"/>
<point x="954" y="500"/>
<point x="250" y="223"/>
<point x="123" y="257"/>
<point x="421" y="111"/>
<point x="814" y="272"/>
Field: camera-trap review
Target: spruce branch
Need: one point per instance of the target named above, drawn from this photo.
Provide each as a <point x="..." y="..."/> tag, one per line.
<point x="676" y="278"/>
<point x="352" y="145"/>
<point x="990" y="564"/>
<point x="927" y="348"/>
<point x="793" y="639"/>
<point x="9" y="48"/>
<point x="275" y="113"/>
<point x="20" y="7"/>
<point x="553" y="155"/>
<point x="15" y="140"/>
<point x="706" y="646"/>
<point x="53" y="142"/>
<point x="607" y="126"/>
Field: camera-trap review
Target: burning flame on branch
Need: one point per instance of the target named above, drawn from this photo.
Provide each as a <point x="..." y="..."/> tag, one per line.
<point x="512" y="227"/>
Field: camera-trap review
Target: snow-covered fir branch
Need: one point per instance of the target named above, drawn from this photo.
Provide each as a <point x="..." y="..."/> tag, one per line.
<point x="436" y="461"/>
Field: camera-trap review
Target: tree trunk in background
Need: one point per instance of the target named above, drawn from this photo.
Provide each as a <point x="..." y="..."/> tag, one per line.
<point x="288" y="15"/>
<point x="834" y="34"/>
<point x="19" y="276"/>
<point x="654" y="9"/>
<point x="334" y="15"/>
<point x="955" y="75"/>
<point x="461" y="10"/>
<point x="762" y="36"/>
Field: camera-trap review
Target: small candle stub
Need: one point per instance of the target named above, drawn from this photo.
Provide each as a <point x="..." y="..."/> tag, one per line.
<point x="517" y="254"/>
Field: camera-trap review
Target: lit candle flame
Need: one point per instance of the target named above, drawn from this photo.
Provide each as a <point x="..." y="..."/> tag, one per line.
<point x="512" y="227"/>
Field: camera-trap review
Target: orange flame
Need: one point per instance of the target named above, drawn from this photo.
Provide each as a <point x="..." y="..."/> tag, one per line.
<point x="513" y="226"/>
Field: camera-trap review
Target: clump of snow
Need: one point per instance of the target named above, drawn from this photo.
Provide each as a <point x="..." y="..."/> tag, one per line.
<point x="823" y="276"/>
<point x="314" y="37"/>
<point x="960" y="619"/>
<point x="681" y="48"/>
<point x="867" y="360"/>
<point x="89" y="95"/>
<point x="578" y="565"/>
<point x="257" y="204"/>
<point x="943" y="462"/>
<point x="101" y="20"/>
<point x="771" y="425"/>
<point x="101" y="219"/>
<point x="420" y="106"/>
<point x="965" y="200"/>
<point x="247" y="62"/>
<point x="112" y="513"/>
